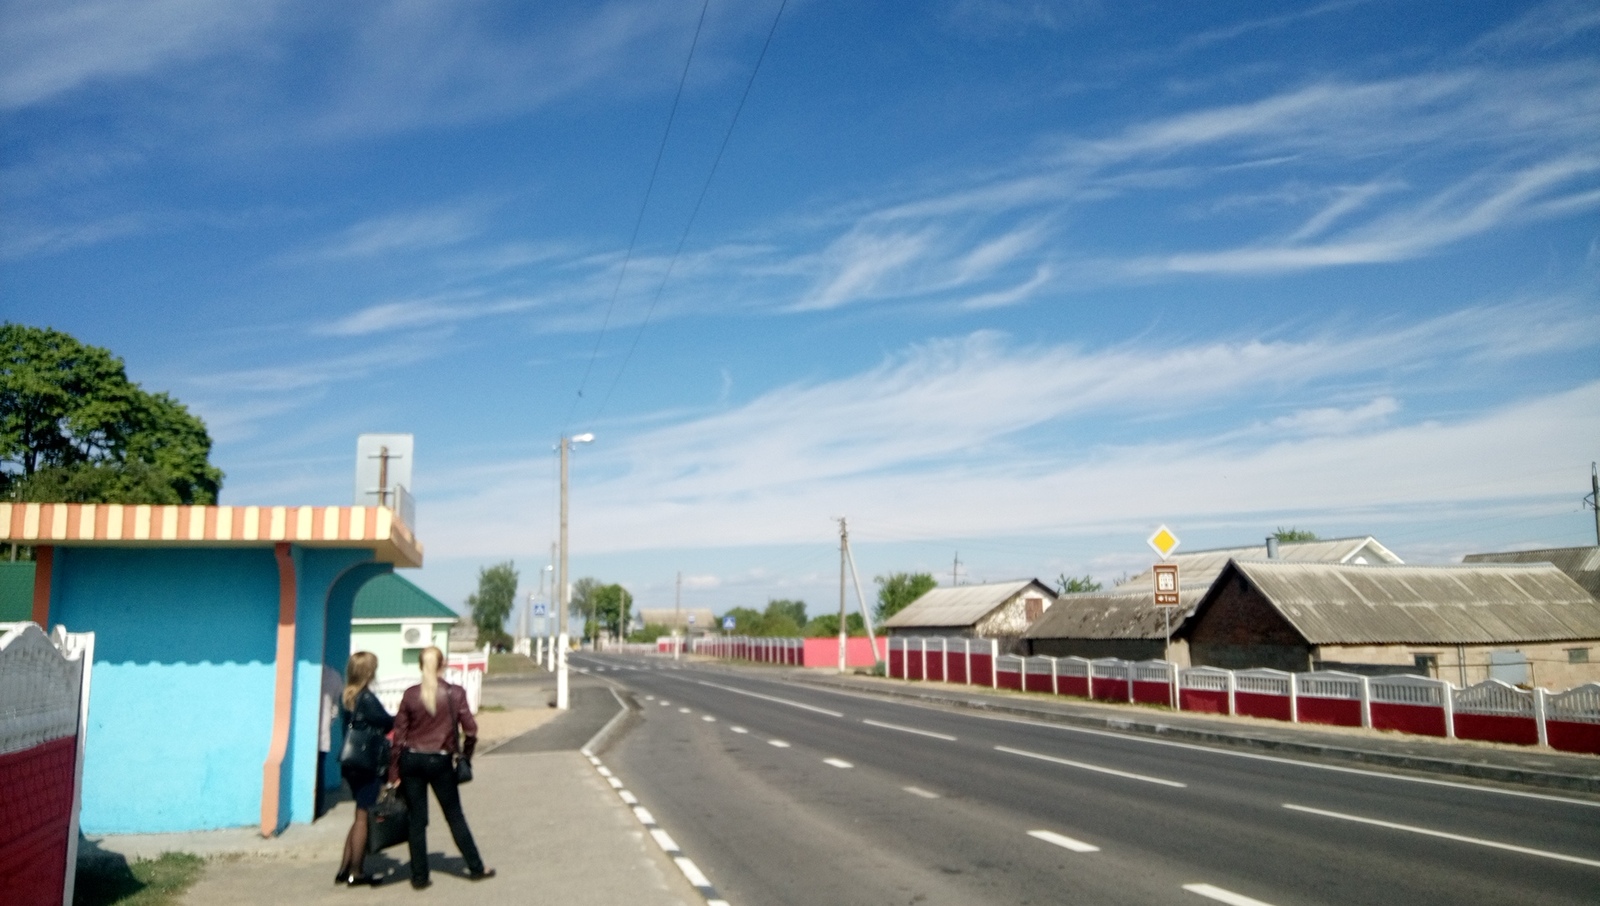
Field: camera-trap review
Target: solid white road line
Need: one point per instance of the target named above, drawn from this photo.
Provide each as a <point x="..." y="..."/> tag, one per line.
<point x="778" y="742"/>
<point x="919" y="791"/>
<point x="1543" y="854"/>
<point x="1077" y="846"/>
<point x="838" y="762"/>
<point x="1223" y="896"/>
<point x="1276" y="759"/>
<point x="1091" y="767"/>
<point x="879" y="723"/>
<point x="739" y="729"/>
<point x="772" y="698"/>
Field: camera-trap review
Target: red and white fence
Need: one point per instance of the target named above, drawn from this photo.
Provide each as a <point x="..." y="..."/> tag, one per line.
<point x="1491" y="710"/>
<point x="822" y="652"/>
<point x="44" y="704"/>
<point x="464" y="670"/>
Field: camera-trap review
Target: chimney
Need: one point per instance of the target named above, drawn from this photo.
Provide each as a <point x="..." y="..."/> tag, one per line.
<point x="1272" y="547"/>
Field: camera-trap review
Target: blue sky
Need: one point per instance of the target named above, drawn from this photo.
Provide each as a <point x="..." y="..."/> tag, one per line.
<point x="1018" y="280"/>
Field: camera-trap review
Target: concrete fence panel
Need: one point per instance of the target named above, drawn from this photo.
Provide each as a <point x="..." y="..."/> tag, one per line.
<point x="1264" y="693"/>
<point x="1039" y="674"/>
<point x="1496" y="712"/>
<point x="1411" y="704"/>
<point x="1008" y="672"/>
<point x="1208" y="690"/>
<point x="1331" y="697"/>
<point x="43" y="698"/>
<point x="1110" y="680"/>
<point x="1572" y="719"/>
<point x="982" y="660"/>
<point x="1152" y="682"/>
<point x="955" y="668"/>
<point x="938" y="657"/>
<point x="1072" y="677"/>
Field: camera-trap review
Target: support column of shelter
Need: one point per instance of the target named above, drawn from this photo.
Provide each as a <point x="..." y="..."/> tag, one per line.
<point x="282" y="694"/>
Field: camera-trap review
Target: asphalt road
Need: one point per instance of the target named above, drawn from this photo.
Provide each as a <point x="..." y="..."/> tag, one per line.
<point x="790" y="794"/>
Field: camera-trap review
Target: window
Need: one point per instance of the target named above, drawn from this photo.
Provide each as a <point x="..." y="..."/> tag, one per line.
<point x="1427" y="664"/>
<point x="1033" y="608"/>
<point x="1577" y="655"/>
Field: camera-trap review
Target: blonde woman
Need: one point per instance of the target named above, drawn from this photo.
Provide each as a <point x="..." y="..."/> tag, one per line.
<point x="433" y="728"/>
<point x="365" y="723"/>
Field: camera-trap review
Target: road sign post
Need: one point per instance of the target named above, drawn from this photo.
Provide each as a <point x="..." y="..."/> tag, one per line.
<point x="1164" y="542"/>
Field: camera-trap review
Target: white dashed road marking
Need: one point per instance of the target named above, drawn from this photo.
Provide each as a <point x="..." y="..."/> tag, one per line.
<point x="778" y="742"/>
<point x="838" y="762"/>
<point x="1223" y="896"/>
<point x="919" y="791"/>
<point x="1077" y="846"/>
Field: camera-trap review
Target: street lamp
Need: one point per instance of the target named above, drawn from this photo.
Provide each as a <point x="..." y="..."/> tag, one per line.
<point x="565" y="580"/>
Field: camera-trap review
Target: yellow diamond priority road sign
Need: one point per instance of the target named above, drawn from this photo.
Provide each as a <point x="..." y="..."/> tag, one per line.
<point x="1163" y="541"/>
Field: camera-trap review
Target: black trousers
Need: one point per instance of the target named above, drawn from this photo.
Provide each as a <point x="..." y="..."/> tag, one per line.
<point x="417" y="773"/>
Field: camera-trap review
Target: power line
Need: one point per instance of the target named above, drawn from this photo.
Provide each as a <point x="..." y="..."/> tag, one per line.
<point x="695" y="212"/>
<point x="638" y="222"/>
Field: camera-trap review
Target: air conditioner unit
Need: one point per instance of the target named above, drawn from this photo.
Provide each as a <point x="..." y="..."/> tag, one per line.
<point x="416" y="635"/>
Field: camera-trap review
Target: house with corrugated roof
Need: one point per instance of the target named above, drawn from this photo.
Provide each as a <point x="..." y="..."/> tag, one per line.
<point x="1520" y="623"/>
<point x="996" y="610"/>
<point x="1581" y="563"/>
<point x="395" y="620"/>
<point x="1124" y="621"/>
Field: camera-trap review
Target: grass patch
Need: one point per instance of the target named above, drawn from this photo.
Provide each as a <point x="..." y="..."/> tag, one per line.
<point x="502" y="663"/>
<point x="144" y="882"/>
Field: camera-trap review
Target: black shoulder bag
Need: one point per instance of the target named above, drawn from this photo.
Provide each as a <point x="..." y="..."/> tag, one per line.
<point x="463" y="766"/>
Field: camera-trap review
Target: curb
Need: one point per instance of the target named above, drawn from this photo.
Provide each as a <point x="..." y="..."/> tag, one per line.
<point x="1517" y="776"/>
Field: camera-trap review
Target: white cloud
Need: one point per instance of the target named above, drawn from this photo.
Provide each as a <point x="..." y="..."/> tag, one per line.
<point x="938" y="439"/>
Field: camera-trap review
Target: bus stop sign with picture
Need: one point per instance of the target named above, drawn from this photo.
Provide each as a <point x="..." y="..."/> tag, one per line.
<point x="1166" y="584"/>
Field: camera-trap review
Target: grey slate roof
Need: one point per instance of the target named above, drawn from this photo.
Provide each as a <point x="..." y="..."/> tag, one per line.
<point x="1124" y="612"/>
<point x="1581" y="563"/>
<point x="960" y="605"/>
<point x="1205" y="566"/>
<point x="1336" y="604"/>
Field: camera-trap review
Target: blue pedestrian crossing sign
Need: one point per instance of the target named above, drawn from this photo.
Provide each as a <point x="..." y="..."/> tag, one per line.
<point x="541" y="610"/>
<point x="727" y="623"/>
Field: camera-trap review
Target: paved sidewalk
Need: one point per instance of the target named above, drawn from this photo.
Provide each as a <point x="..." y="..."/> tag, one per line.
<point x="1521" y="766"/>
<point x="545" y="820"/>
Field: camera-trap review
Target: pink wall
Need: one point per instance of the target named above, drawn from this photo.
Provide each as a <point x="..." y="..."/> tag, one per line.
<point x="857" y="653"/>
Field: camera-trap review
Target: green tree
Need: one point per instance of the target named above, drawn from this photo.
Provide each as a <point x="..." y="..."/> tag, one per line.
<point x="746" y="620"/>
<point x="827" y="626"/>
<point x="491" y="603"/>
<point x="71" y="423"/>
<point x="1066" y="585"/>
<point x="650" y="633"/>
<point x="896" y="590"/>
<point x="1292" y="535"/>
<point x="794" y="610"/>
<point x="582" y="605"/>
<point x="611" y="606"/>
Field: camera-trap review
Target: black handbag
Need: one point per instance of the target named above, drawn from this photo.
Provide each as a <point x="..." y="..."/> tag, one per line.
<point x="365" y="746"/>
<point x="387" y="821"/>
<point x="463" y="766"/>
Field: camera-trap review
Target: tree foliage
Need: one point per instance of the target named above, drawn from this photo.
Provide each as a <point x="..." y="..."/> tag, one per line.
<point x="650" y="633"/>
<point x="1291" y="535"/>
<point x="827" y="626"/>
<point x="777" y="621"/>
<point x="896" y="590"/>
<point x="74" y="429"/>
<point x="492" y="602"/>
<point x="794" y="610"/>
<point x="1066" y="585"/>
<point x="610" y="608"/>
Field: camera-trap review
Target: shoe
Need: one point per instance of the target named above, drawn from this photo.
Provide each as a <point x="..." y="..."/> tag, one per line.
<point x="420" y="883"/>
<point x="480" y="875"/>
<point x="363" y="881"/>
<point x="342" y="877"/>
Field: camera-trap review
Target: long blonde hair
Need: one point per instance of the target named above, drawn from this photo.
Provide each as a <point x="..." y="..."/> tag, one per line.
<point x="431" y="659"/>
<point x="358" y="672"/>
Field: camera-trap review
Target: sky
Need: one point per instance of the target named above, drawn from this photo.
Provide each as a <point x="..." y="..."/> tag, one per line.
<point x="1006" y="285"/>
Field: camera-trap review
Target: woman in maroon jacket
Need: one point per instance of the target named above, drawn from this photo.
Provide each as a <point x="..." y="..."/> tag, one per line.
<point x="433" y="727"/>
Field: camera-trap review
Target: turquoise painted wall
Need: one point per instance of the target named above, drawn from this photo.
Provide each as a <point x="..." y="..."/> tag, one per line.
<point x="180" y="711"/>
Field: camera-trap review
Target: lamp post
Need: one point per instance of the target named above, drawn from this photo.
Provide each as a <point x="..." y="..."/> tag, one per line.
<point x="564" y="578"/>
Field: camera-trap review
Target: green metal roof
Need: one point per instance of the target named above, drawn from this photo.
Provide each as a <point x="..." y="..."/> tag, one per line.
<point x="389" y="597"/>
<point x="16" y="591"/>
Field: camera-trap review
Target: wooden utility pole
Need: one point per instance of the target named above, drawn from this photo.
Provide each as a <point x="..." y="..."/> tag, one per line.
<point x="955" y="570"/>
